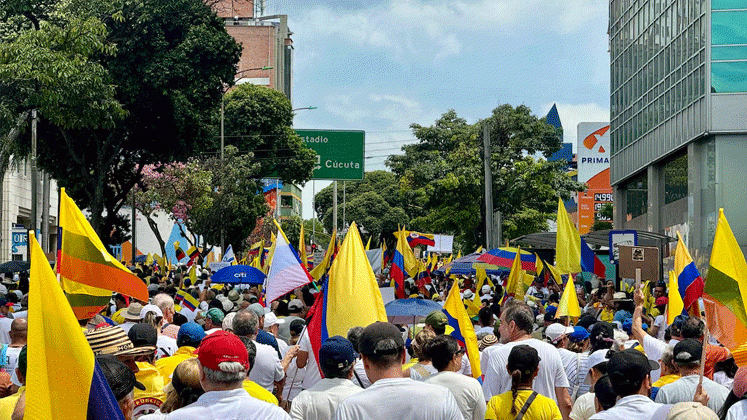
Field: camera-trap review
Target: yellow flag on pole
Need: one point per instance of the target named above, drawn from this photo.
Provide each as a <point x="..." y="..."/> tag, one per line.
<point x="567" y="243"/>
<point x="568" y="305"/>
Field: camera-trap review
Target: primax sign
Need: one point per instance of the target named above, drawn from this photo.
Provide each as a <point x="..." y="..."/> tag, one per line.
<point x="339" y="154"/>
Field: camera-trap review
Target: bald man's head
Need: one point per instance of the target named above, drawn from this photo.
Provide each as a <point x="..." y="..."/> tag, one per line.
<point x="18" y="329"/>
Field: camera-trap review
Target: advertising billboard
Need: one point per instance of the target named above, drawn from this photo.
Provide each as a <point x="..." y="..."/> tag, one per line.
<point x="593" y="159"/>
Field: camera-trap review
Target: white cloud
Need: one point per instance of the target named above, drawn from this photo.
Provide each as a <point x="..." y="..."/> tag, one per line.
<point x="438" y="29"/>
<point x="572" y="114"/>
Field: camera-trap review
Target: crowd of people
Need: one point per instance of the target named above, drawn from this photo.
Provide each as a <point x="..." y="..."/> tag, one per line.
<point x="233" y="358"/>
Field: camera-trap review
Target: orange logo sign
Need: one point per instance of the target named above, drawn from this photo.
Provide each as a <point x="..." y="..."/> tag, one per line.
<point x="592" y="139"/>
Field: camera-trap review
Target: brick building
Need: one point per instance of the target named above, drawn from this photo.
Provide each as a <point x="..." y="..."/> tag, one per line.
<point x="266" y="43"/>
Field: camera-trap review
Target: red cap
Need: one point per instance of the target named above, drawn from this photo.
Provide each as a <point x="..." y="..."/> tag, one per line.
<point x="219" y="347"/>
<point x="662" y="300"/>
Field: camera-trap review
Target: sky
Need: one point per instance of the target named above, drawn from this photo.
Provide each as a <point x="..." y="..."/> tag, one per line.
<point x="381" y="65"/>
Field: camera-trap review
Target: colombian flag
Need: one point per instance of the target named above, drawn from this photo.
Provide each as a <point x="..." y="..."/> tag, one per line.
<point x="504" y="257"/>
<point x="351" y="284"/>
<point x="689" y="282"/>
<point x="89" y="273"/>
<point x="192" y="253"/>
<point x="187" y="300"/>
<point x="416" y="238"/>
<point x="180" y="255"/>
<point x="63" y="380"/>
<point x="463" y="332"/>
<point x="590" y="262"/>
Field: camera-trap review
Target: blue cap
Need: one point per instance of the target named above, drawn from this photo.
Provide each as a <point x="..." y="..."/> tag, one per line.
<point x="337" y="351"/>
<point x="627" y="326"/>
<point x="579" y="334"/>
<point x="190" y="334"/>
<point x="551" y="309"/>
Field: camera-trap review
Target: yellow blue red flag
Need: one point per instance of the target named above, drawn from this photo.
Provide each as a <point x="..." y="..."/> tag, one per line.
<point x="463" y="332"/>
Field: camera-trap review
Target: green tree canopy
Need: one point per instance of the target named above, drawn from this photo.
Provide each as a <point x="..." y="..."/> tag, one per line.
<point x="441" y="178"/>
<point x="258" y="120"/>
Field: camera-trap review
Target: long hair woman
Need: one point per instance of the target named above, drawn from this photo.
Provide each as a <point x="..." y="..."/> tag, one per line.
<point x="183" y="390"/>
<point x="521" y="402"/>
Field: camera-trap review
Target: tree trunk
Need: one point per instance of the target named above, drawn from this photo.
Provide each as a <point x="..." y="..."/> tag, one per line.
<point x="5" y="153"/>
<point x="154" y="228"/>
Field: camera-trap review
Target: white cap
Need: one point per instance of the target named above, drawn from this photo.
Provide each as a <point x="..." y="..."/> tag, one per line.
<point x="595" y="359"/>
<point x="485" y="289"/>
<point x="272" y="319"/>
<point x="468" y="294"/>
<point x="151" y="308"/>
<point x="556" y="331"/>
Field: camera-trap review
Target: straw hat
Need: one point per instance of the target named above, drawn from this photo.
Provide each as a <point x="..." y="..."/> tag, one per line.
<point x="114" y="341"/>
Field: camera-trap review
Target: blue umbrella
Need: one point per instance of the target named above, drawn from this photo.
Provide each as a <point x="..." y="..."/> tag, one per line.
<point x="238" y="274"/>
<point x="404" y="310"/>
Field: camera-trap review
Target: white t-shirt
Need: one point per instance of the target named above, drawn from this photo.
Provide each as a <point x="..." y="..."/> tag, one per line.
<point x="293" y="380"/>
<point x="721" y="378"/>
<point x="321" y="400"/>
<point x="11" y="363"/>
<point x="683" y="390"/>
<point x="312" y="375"/>
<point x="584" y="407"/>
<point x="660" y="322"/>
<point x="576" y="371"/>
<point x="551" y="372"/>
<point x="361" y="378"/>
<point x="126" y="326"/>
<point x="654" y="349"/>
<point x="234" y="404"/>
<point x="5" y="330"/>
<point x="414" y="374"/>
<point x="267" y="368"/>
<point x="466" y="368"/>
<point x="467" y="392"/>
<point x="402" y="399"/>
<point x="634" y="407"/>
<point x="738" y="411"/>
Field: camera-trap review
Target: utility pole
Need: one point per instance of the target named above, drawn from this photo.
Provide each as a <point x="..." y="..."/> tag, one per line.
<point x="222" y="149"/>
<point x="313" y="211"/>
<point x="34" y="175"/>
<point x="334" y="205"/>
<point x="45" y="211"/>
<point x="488" y="188"/>
<point x="344" y="202"/>
<point x="134" y="228"/>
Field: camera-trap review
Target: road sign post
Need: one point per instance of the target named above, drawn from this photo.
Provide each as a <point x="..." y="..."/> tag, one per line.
<point x="339" y="154"/>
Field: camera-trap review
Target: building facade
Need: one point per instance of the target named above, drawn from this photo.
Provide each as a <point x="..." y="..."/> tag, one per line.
<point x="679" y="117"/>
<point x="267" y="56"/>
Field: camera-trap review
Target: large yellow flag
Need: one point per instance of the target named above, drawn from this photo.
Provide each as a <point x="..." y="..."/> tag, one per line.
<point x="322" y="268"/>
<point x="568" y="305"/>
<point x="727" y="274"/>
<point x="515" y="277"/>
<point x="368" y="244"/>
<point x="352" y="285"/>
<point x="61" y="373"/>
<point x="675" y="304"/>
<point x="463" y="329"/>
<point x="567" y="243"/>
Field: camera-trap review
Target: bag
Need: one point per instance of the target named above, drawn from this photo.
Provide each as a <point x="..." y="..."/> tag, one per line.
<point x="524" y="409"/>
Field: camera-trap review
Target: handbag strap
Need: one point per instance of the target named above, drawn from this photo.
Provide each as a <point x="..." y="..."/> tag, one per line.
<point x="524" y="409"/>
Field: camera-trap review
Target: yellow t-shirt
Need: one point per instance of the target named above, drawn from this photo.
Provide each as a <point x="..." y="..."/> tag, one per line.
<point x="150" y="400"/>
<point x="117" y="316"/>
<point x="167" y="365"/>
<point x="256" y="391"/>
<point x="409" y="364"/>
<point x="542" y="408"/>
<point x="607" y="315"/>
<point x="8" y="404"/>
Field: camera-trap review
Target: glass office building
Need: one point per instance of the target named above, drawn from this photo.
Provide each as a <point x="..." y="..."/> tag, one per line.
<point x="679" y="116"/>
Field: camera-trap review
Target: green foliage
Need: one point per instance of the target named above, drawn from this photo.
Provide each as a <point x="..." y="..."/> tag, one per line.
<point x="258" y="120"/>
<point x="292" y="228"/>
<point x="236" y="198"/>
<point x="374" y="203"/>
<point x="315" y="233"/>
<point x="167" y="77"/>
<point x="607" y="211"/>
<point x="441" y="178"/>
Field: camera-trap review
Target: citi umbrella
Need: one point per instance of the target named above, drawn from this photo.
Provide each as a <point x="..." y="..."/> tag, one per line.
<point x="238" y="274"/>
<point x="14" y="266"/>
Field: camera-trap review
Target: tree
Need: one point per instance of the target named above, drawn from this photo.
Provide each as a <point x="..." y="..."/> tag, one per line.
<point x="606" y="212"/>
<point x="292" y="228"/>
<point x="172" y="62"/>
<point x="236" y="202"/>
<point x="375" y="203"/>
<point x="259" y="120"/>
<point x="178" y="189"/>
<point x="441" y="178"/>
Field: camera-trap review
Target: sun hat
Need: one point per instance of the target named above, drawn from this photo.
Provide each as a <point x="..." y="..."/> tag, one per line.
<point x="487" y="341"/>
<point x="114" y="341"/>
<point x="235" y="297"/>
<point x="133" y="312"/>
<point x="691" y="410"/>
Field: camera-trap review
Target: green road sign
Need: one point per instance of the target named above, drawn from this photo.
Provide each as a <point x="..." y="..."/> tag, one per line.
<point x="339" y="154"/>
